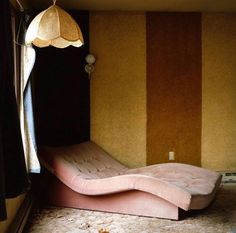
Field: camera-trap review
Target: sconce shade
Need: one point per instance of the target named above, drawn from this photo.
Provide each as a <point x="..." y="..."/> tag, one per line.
<point x="55" y="27"/>
<point x="90" y="59"/>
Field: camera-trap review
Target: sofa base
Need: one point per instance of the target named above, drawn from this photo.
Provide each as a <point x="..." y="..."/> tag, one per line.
<point x="129" y="202"/>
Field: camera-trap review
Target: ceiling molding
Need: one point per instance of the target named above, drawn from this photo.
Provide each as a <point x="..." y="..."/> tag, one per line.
<point x="142" y="5"/>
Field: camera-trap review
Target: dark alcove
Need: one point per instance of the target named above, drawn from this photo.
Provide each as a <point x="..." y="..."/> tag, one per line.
<point x="61" y="91"/>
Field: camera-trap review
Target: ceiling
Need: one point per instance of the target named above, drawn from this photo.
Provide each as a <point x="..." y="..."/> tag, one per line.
<point x="137" y="5"/>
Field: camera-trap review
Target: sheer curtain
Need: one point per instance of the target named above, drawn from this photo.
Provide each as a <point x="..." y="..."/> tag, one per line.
<point x="27" y="61"/>
<point x="26" y="109"/>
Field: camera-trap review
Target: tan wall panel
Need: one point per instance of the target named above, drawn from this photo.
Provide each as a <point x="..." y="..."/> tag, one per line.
<point x="118" y="85"/>
<point x="219" y="91"/>
<point x="12" y="208"/>
<point x="174" y="87"/>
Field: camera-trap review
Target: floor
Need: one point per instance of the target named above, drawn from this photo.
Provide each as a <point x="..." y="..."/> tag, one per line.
<point x="219" y="217"/>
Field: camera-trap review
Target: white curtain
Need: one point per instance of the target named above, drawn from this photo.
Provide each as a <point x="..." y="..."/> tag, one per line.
<point x="28" y="56"/>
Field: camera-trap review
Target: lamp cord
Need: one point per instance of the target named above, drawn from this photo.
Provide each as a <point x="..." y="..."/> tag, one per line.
<point x="54" y="2"/>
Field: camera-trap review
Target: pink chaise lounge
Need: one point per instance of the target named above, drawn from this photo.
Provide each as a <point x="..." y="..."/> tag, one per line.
<point x="88" y="178"/>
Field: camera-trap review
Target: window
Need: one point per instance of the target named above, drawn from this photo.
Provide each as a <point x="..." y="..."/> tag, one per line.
<point x="24" y="58"/>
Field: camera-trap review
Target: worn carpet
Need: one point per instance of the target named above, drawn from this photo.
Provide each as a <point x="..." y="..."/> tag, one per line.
<point x="219" y="217"/>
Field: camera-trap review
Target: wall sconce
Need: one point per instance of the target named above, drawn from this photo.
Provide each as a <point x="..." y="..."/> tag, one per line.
<point x="89" y="68"/>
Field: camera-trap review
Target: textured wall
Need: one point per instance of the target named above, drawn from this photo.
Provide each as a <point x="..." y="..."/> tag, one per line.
<point x="174" y="87"/>
<point x="177" y="112"/>
<point x="219" y="91"/>
<point x="12" y="208"/>
<point x="118" y="85"/>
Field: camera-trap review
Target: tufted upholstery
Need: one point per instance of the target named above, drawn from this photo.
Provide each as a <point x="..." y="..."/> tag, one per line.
<point x="89" y="170"/>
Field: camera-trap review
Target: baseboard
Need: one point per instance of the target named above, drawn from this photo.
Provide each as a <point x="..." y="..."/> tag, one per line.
<point x="229" y="177"/>
<point x="22" y="215"/>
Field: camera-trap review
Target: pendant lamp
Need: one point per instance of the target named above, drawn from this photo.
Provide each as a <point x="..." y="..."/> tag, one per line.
<point x="54" y="27"/>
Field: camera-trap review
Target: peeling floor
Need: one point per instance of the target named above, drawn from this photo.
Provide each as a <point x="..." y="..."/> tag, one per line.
<point x="219" y="217"/>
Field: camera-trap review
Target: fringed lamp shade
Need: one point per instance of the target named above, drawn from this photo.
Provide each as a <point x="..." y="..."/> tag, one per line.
<point x="55" y="27"/>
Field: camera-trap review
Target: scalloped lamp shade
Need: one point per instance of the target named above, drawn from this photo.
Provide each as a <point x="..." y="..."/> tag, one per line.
<point x="54" y="27"/>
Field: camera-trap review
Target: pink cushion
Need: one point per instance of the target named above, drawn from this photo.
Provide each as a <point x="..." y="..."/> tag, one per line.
<point x="89" y="170"/>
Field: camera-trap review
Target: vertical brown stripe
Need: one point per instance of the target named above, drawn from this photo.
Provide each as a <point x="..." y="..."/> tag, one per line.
<point x="174" y="87"/>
